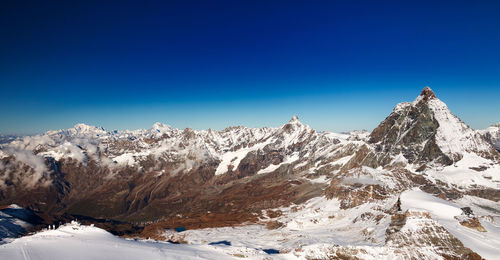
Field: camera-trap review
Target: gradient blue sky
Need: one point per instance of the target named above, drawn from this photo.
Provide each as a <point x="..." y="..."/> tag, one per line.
<point x="338" y="65"/>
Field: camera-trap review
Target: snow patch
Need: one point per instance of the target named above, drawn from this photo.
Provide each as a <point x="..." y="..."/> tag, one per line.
<point x="234" y="158"/>
<point x="271" y="168"/>
<point x="463" y="175"/>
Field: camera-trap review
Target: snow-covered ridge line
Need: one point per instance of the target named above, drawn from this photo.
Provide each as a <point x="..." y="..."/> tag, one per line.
<point x="294" y="143"/>
<point x="453" y="136"/>
<point x="125" y="148"/>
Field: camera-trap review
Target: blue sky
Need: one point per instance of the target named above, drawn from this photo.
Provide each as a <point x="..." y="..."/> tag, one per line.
<point x="211" y="64"/>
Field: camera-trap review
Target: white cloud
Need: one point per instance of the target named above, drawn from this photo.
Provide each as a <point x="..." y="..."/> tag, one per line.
<point x="35" y="162"/>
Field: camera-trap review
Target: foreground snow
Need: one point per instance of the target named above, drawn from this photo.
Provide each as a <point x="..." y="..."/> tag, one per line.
<point x="73" y="241"/>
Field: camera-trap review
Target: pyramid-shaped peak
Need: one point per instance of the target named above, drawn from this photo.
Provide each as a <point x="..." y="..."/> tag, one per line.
<point x="426" y="95"/>
<point x="428" y="129"/>
<point x="427" y="92"/>
<point x="294" y="120"/>
<point x="294" y="123"/>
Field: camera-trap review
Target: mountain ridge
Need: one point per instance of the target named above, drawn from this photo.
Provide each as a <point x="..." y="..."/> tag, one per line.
<point x="165" y="177"/>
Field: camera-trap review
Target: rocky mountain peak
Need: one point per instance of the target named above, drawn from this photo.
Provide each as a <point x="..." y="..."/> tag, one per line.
<point x="293" y="125"/>
<point x="295" y="119"/>
<point x="425" y="130"/>
<point x="426" y="95"/>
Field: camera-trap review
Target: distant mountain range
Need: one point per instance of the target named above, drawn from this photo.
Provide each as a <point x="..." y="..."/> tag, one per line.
<point x="150" y="180"/>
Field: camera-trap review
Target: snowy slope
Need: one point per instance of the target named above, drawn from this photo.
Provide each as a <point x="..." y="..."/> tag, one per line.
<point x="487" y="244"/>
<point x="15" y="221"/>
<point x="453" y="136"/>
<point x="464" y="173"/>
<point x="492" y="134"/>
<point x="73" y="241"/>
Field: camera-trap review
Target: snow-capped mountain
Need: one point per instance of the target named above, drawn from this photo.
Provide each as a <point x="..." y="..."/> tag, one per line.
<point x="163" y="177"/>
<point x="425" y="131"/>
<point x="59" y="161"/>
<point x="420" y="144"/>
<point x="492" y="135"/>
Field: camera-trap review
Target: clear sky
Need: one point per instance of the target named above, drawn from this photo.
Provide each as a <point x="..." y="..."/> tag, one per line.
<point x="338" y="65"/>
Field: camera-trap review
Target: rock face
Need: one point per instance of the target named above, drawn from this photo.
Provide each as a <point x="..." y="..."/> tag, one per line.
<point x="164" y="177"/>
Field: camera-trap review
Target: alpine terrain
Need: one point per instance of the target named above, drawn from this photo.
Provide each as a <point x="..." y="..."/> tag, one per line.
<point x="421" y="185"/>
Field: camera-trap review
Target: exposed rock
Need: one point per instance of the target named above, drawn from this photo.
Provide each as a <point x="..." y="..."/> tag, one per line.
<point x="274" y="224"/>
<point x="354" y="195"/>
<point x="467" y="211"/>
<point x="472" y="222"/>
<point x="416" y="228"/>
